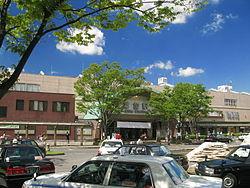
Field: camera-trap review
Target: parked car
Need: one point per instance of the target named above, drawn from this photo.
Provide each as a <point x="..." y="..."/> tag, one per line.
<point x="109" y="146"/>
<point x="19" y="162"/>
<point x="126" y="171"/>
<point x="218" y="138"/>
<point x="243" y="136"/>
<point x="153" y="150"/>
<point x="32" y="142"/>
<point x="234" y="169"/>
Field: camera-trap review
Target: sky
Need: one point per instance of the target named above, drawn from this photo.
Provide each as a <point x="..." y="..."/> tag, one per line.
<point x="210" y="47"/>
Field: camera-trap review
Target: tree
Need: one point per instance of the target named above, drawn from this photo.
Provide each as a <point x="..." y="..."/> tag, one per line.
<point x="23" y="23"/>
<point x="161" y="107"/>
<point x="186" y="102"/>
<point x="191" y="102"/>
<point x="104" y="89"/>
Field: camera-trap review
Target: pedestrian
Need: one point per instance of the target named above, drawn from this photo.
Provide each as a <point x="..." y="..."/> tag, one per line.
<point x="67" y="136"/>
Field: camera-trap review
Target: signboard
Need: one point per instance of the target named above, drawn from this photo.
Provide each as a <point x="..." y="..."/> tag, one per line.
<point x="9" y="126"/>
<point x="134" y="125"/>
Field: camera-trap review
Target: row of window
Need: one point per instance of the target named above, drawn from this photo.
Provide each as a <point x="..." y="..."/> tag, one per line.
<point x="230" y="102"/>
<point x="42" y="106"/>
<point x="26" y="87"/>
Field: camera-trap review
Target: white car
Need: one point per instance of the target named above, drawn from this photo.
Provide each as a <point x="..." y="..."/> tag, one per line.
<point x="111" y="171"/>
<point x="109" y="146"/>
<point x="243" y="136"/>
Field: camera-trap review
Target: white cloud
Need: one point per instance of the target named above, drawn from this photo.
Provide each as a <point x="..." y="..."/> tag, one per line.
<point x="95" y="48"/>
<point x="186" y="72"/>
<point x="168" y="65"/>
<point x="214" y="1"/>
<point x="181" y="18"/>
<point x="218" y="20"/>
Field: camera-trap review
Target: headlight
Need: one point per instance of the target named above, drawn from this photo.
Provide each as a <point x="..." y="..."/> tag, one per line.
<point x="209" y="171"/>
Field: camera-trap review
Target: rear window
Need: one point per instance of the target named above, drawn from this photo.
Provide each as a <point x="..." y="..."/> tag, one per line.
<point x="176" y="173"/>
<point x="111" y="144"/>
<point x="21" y="152"/>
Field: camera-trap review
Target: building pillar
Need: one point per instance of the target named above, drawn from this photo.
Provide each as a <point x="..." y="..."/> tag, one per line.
<point x="55" y="135"/>
<point x="81" y="135"/>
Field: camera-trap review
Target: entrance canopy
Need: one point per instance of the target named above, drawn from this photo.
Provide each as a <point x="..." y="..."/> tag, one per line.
<point x="133" y="125"/>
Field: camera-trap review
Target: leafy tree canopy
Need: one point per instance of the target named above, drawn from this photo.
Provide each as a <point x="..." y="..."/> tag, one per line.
<point x="23" y="23"/>
<point x="104" y="88"/>
<point x="185" y="102"/>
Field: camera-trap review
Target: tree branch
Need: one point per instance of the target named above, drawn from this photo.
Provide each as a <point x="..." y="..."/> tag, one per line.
<point x="89" y="14"/>
<point x="3" y="20"/>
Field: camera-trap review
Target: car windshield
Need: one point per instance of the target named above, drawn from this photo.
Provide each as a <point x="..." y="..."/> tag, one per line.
<point x="239" y="154"/>
<point x="111" y="144"/>
<point x="176" y="172"/>
<point x="124" y="150"/>
<point x="160" y="150"/>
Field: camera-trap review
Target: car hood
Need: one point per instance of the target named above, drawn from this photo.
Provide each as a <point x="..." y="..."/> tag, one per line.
<point x="47" y="180"/>
<point x="218" y="162"/>
<point x="201" y="182"/>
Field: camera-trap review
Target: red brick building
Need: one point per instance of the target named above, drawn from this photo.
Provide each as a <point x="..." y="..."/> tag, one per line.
<point x="41" y="112"/>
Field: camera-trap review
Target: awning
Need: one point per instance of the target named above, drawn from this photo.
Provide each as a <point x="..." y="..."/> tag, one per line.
<point x="9" y="126"/>
<point x="134" y="125"/>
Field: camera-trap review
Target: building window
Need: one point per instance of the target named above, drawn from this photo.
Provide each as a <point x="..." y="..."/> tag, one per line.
<point x="26" y="87"/>
<point x="19" y="104"/>
<point x="3" y="111"/>
<point x="60" y="106"/>
<point x="233" y="116"/>
<point x="230" y="102"/>
<point x="38" y="106"/>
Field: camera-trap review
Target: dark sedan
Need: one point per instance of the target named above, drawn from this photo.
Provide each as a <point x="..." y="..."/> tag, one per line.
<point x="234" y="169"/>
<point x="27" y="142"/>
<point x="153" y="150"/>
<point x="18" y="163"/>
<point x="218" y="138"/>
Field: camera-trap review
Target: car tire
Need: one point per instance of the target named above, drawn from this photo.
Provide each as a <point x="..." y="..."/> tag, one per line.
<point x="229" y="181"/>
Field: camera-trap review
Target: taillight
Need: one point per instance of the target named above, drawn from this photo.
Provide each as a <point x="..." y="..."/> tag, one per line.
<point x="15" y="171"/>
<point x="47" y="168"/>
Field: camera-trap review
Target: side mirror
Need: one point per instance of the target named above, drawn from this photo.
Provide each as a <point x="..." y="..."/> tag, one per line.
<point x="73" y="168"/>
<point x="206" y="157"/>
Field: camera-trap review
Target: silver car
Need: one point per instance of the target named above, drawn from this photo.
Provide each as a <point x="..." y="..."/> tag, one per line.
<point x="126" y="171"/>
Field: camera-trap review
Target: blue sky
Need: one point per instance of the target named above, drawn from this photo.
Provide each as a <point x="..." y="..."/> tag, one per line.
<point x="211" y="47"/>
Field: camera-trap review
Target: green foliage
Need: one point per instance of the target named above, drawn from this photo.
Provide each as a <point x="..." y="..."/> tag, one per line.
<point x="191" y="101"/>
<point x="104" y="89"/>
<point x="23" y="23"/>
<point x="185" y="102"/>
<point x="5" y="73"/>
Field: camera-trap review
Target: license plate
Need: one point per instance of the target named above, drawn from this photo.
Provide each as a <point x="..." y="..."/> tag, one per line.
<point x="32" y="170"/>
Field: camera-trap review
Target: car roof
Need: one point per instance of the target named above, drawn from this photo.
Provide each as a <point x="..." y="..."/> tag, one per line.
<point x="133" y="158"/>
<point x="17" y="145"/>
<point x="149" y="145"/>
<point x="112" y="140"/>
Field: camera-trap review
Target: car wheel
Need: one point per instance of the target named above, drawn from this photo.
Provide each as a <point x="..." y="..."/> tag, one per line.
<point x="229" y="181"/>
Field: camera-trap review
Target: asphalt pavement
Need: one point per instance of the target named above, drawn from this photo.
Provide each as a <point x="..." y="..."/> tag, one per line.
<point x="76" y="155"/>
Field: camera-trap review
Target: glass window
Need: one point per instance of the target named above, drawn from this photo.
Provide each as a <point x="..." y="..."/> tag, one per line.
<point x="3" y="111"/>
<point x="233" y="116"/>
<point x="230" y="102"/>
<point x="22" y="152"/>
<point x="138" y="150"/>
<point x="240" y="154"/>
<point x="19" y="104"/>
<point x="93" y="172"/>
<point x="60" y="106"/>
<point x="38" y="105"/>
<point x="176" y="173"/>
<point x="130" y="175"/>
<point x="160" y="150"/>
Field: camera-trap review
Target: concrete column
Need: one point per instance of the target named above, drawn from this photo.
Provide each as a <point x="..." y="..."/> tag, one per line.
<point x="81" y="135"/>
<point x="54" y="135"/>
<point x="26" y="131"/>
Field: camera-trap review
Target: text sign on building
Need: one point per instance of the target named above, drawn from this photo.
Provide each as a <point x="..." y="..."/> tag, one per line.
<point x="133" y="125"/>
